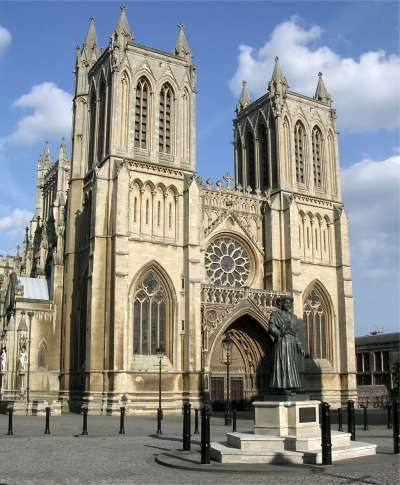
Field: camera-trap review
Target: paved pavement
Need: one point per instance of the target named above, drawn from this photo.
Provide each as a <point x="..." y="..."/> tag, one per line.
<point x="105" y="457"/>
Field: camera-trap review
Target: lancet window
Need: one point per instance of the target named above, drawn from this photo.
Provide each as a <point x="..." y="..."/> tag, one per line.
<point x="251" y="163"/>
<point x="263" y="151"/>
<point x="102" y="114"/>
<point x="239" y="162"/>
<point x="165" y="117"/>
<point x="317" y="319"/>
<point x="150" y="315"/>
<point x="317" y="156"/>
<point x="141" y="113"/>
<point x="299" y="151"/>
<point x="92" y="127"/>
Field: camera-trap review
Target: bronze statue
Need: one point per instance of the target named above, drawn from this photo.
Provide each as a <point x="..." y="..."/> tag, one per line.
<point x="284" y="328"/>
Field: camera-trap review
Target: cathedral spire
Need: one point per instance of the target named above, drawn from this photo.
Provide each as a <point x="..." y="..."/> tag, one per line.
<point x="122" y="26"/>
<point x="321" y="93"/>
<point x="244" y="99"/>
<point x="45" y="158"/>
<point x="278" y="84"/>
<point x="182" y="48"/>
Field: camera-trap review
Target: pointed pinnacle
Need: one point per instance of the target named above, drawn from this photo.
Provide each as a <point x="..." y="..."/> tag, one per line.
<point x="91" y="37"/>
<point x="321" y="93"/>
<point x="122" y="26"/>
<point x="244" y="99"/>
<point x="277" y="74"/>
<point x="182" y="48"/>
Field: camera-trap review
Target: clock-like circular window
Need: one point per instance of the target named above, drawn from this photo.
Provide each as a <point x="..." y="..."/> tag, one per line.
<point x="227" y="262"/>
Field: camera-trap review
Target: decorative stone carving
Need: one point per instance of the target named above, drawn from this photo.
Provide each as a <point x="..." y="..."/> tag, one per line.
<point x="227" y="262"/>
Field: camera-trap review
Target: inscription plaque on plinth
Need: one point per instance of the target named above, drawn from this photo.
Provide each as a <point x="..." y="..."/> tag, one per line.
<point x="286" y="418"/>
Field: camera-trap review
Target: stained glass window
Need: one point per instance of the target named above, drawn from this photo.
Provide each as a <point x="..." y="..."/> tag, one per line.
<point x="149" y="315"/>
<point x="317" y="330"/>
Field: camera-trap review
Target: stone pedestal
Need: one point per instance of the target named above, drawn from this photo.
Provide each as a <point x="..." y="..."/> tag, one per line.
<point x="286" y="431"/>
<point x="284" y="418"/>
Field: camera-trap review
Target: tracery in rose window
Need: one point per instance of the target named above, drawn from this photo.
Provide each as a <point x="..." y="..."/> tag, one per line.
<point x="227" y="262"/>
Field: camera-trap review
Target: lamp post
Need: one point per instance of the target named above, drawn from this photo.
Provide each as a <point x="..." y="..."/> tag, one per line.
<point x="30" y="315"/>
<point x="227" y="344"/>
<point x="160" y="354"/>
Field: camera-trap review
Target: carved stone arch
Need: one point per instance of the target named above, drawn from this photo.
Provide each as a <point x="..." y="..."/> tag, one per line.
<point x="153" y="285"/>
<point x="162" y="187"/>
<point x="150" y="184"/>
<point x="136" y="181"/>
<point x="327" y="219"/>
<point x="248" y="126"/>
<point x="171" y="188"/>
<point x="171" y="81"/>
<point x="319" y="318"/>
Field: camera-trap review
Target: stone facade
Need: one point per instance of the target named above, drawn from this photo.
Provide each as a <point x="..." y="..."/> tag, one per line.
<point x="141" y="254"/>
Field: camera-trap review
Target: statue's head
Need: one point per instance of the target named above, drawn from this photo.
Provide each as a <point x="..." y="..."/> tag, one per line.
<point x="285" y="302"/>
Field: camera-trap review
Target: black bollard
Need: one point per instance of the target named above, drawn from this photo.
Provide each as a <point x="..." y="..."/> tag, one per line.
<point x="396" y="436"/>
<point x="351" y="424"/>
<point x="389" y="416"/>
<point x="340" y="419"/>
<point x="196" y="421"/>
<point x="365" y="417"/>
<point x="122" y="421"/>
<point x="186" y="426"/>
<point x="47" y="428"/>
<point x="84" y="427"/>
<point x="159" y="418"/>
<point x="10" y="421"/>
<point x="234" y="420"/>
<point x="205" y="436"/>
<point x="326" y="443"/>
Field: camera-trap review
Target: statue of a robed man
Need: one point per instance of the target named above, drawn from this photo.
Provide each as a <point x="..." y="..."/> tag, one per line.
<point x="285" y="328"/>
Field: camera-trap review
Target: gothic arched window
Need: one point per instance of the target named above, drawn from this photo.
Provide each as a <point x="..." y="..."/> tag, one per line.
<point x="124" y="114"/>
<point x="274" y="163"/>
<point x="42" y="356"/>
<point x="141" y="113"/>
<point x="239" y="162"/>
<point x="317" y="320"/>
<point x="299" y="151"/>
<point x="150" y="316"/>
<point x="165" y="117"/>
<point x="109" y="98"/>
<point x="251" y="162"/>
<point x="317" y="156"/>
<point x="102" y="120"/>
<point x="92" y="127"/>
<point x="263" y="151"/>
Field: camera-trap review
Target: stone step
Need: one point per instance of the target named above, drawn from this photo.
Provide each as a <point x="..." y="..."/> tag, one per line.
<point x="223" y="453"/>
<point x="259" y="442"/>
<point x="255" y="442"/>
<point x="355" y="450"/>
<point x="313" y="443"/>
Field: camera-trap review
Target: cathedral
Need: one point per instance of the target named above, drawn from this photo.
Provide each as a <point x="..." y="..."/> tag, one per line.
<point x="132" y="261"/>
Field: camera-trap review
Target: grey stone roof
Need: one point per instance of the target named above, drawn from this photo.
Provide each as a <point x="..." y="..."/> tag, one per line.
<point x="384" y="338"/>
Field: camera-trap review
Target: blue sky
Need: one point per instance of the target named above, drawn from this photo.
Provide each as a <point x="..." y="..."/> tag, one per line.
<point x="355" y="44"/>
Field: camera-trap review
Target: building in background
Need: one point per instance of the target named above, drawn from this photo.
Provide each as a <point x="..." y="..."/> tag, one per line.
<point x="138" y="254"/>
<point x="378" y="367"/>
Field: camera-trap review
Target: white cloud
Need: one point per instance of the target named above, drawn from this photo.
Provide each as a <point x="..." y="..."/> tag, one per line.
<point x="15" y="222"/>
<point x="51" y="114"/>
<point x="371" y="191"/>
<point x="5" y="39"/>
<point x="365" y="90"/>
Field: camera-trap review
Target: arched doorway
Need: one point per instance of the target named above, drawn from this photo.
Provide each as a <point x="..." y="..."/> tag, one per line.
<point x="251" y="360"/>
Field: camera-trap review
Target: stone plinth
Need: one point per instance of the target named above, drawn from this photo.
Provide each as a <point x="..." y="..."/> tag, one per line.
<point x="286" y="431"/>
<point x="284" y="418"/>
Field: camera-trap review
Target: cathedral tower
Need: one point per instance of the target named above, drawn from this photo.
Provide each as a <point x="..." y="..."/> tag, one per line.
<point x="286" y="148"/>
<point x="128" y="249"/>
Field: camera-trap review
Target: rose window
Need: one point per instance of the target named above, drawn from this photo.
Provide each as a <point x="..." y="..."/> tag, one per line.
<point x="227" y="262"/>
